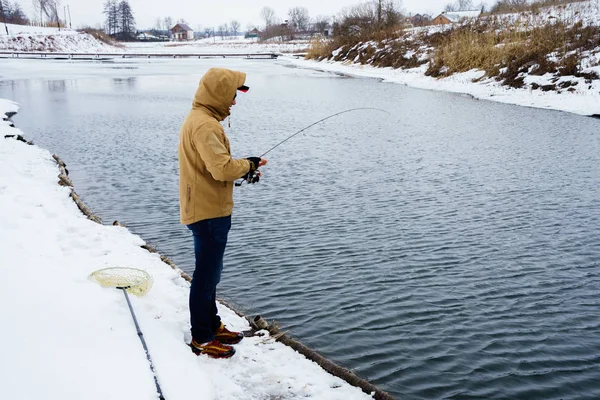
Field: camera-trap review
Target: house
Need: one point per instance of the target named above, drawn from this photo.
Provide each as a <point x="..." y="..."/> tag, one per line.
<point x="254" y="33"/>
<point x="182" y="32"/>
<point x="452" y="17"/>
<point x="419" y="20"/>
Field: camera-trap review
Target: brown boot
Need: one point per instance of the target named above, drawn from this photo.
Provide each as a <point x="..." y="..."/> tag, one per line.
<point x="224" y="335"/>
<point x="214" y="349"/>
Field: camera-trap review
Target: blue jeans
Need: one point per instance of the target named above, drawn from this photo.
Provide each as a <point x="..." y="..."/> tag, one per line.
<point x="210" y="239"/>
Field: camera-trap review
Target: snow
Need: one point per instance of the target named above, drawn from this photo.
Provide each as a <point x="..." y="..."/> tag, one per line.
<point x="585" y="100"/>
<point x="35" y="30"/>
<point x="65" y="337"/>
<point x="35" y="38"/>
<point x="237" y="44"/>
<point x="456" y="16"/>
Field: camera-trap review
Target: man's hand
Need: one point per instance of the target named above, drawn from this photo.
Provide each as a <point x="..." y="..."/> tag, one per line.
<point x="256" y="163"/>
<point x="254" y="175"/>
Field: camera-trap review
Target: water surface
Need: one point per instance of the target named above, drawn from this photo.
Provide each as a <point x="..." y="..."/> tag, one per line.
<point x="448" y="250"/>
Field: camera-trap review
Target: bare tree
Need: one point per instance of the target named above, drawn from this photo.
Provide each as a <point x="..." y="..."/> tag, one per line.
<point x="53" y="7"/>
<point x="158" y="24"/>
<point x="40" y="7"/>
<point x="392" y="15"/>
<point x="268" y="15"/>
<point x="509" y="5"/>
<point x="168" y="23"/>
<point x="299" y="18"/>
<point x="465" y="5"/>
<point x="112" y="17"/>
<point x="49" y="8"/>
<point x="321" y="23"/>
<point x="235" y="26"/>
<point x="222" y="31"/>
<point x="363" y="19"/>
<point x="182" y="21"/>
<point x="451" y="7"/>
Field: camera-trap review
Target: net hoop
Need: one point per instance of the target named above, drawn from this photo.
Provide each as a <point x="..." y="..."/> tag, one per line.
<point x="136" y="281"/>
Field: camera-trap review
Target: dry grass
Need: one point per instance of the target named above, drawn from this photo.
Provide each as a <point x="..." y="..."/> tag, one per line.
<point x="382" y="49"/>
<point x="101" y="36"/>
<point x="505" y="47"/>
<point x="552" y="48"/>
<point x="320" y="48"/>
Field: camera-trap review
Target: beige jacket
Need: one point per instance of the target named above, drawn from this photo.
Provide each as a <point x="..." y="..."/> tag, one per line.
<point x="206" y="169"/>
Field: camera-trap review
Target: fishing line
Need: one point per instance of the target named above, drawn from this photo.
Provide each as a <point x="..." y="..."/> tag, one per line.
<point x="251" y="179"/>
<point x="321" y="120"/>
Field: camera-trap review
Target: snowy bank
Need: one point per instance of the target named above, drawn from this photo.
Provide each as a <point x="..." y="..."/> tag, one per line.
<point x="583" y="102"/>
<point x="35" y="38"/>
<point x="548" y="57"/>
<point x="77" y="340"/>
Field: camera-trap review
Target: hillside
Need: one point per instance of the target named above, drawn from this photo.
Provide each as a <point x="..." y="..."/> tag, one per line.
<point x="547" y="49"/>
<point x="34" y="38"/>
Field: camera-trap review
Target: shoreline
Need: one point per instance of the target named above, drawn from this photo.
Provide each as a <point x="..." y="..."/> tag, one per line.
<point x="268" y="337"/>
<point x="584" y="104"/>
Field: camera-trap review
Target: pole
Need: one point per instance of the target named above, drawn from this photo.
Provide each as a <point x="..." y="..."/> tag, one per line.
<point x="65" y="13"/>
<point x="141" y="336"/>
<point x="69" y="10"/>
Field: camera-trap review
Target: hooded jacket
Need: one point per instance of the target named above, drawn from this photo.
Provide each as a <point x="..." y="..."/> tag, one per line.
<point x="206" y="169"/>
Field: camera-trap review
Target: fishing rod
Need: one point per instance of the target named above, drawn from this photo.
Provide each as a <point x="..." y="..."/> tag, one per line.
<point x="253" y="177"/>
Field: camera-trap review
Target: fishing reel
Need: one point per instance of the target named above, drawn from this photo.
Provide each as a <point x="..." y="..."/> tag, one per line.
<point x="250" y="177"/>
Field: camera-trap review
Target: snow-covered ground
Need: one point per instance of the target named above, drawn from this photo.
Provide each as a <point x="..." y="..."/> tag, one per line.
<point x="65" y="337"/>
<point x="584" y="101"/>
<point x="237" y="44"/>
<point x="35" y="38"/>
<point x="14" y="29"/>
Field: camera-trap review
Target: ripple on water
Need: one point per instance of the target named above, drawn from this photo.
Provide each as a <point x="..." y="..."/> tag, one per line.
<point x="439" y="252"/>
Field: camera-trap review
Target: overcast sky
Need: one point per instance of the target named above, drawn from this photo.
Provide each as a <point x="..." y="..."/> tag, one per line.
<point x="213" y="13"/>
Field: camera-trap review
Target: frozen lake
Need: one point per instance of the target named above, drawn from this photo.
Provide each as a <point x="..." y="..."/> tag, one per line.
<point x="448" y="250"/>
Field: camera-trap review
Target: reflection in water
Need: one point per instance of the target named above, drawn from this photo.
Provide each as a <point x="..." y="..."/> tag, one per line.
<point x="129" y="83"/>
<point x="11" y="85"/>
<point x="57" y="86"/>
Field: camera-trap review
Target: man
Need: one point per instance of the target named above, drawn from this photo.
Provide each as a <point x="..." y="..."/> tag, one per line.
<point x="206" y="176"/>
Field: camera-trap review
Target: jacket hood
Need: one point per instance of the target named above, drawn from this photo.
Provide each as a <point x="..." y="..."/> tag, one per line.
<point x="216" y="91"/>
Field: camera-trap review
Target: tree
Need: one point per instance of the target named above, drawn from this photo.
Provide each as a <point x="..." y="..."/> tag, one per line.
<point x="52" y="13"/>
<point x="235" y="26"/>
<point x="168" y="21"/>
<point x="127" y="20"/>
<point x="465" y="5"/>
<point x="40" y="7"/>
<point x="509" y="5"/>
<point x="112" y="17"/>
<point x="222" y="31"/>
<point x="299" y="18"/>
<point x="451" y="7"/>
<point x="49" y="8"/>
<point x="366" y="18"/>
<point x="267" y="14"/>
<point x="321" y="23"/>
